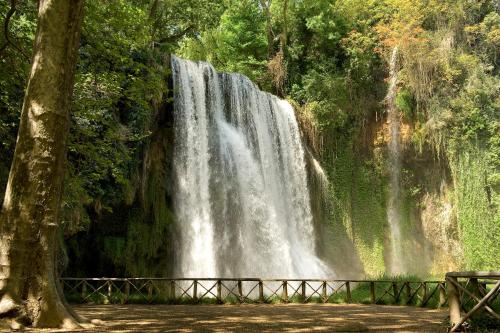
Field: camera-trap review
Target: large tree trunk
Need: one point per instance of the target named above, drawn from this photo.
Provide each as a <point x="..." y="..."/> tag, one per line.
<point x="30" y="216"/>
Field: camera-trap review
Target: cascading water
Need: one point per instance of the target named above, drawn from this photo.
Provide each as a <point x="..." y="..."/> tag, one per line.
<point x="242" y="201"/>
<point x="394" y="205"/>
<point x="321" y="177"/>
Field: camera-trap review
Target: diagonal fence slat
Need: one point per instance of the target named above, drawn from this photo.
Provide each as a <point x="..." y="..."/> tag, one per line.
<point x="296" y="291"/>
<point x="247" y="296"/>
<point x="464" y="288"/>
<point x="433" y="292"/>
<point x="414" y="293"/>
<point x="315" y="291"/>
<point x="185" y="292"/>
<point x="208" y="291"/>
<point x="274" y="292"/>
<point x="139" y="289"/>
<point x="387" y="291"/>
<point x="335" y="290"/>
<point x="230" y="291"/>
<point x="95" y="291"/>
<point x="477" y="299"/>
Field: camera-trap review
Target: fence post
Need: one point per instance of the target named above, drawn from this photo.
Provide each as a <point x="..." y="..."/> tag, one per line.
<point x="484" y="289"/>
<point x="219" y="291"/>
<point x="195" y="290"/>
<point x="285" y="291"/>
<point x="453" y="301"/>
<point x="395" y="291"/>
<point x="150" y="291"/>
<point x="303" y="291"/>
<point x="476" y="289"/>
<point x="261" y="291"/>
<point x="172" y="290"/>
<point x="110" y="289"/>
<point x="323" y="293"/>
<point x="127" y="292"/>
<point x="408" y="292"/>
<point x="84" y="289"/>
<point x="442" y="295"/>
<point x="424" y="293"/>
<point x="240" y="291"/>
<point x="348" y="292"/>
<point x="372" y="292"/>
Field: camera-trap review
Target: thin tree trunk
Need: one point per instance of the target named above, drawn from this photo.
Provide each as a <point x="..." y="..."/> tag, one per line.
<point x="266" y="7"/>
<point x="30" y="216"/>
<point x="284" y="33"/>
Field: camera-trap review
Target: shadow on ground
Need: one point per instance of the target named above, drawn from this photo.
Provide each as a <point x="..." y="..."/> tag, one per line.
<point x="262" y="318"/>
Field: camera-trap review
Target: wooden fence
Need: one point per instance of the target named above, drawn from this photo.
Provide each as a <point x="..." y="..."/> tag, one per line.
<point x="251" y="290"/>
<point x="469" y="293"/>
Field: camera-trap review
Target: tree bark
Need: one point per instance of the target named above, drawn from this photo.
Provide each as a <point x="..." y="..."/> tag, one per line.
<point x="29" y="290"/>
<point x="284" y="33"/>
<point x="266" y="7"/>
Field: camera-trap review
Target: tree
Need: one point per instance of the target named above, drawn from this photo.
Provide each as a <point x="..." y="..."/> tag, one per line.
<point x="170" y="21"/>
<point x="29" y="290"/>
<point x="266" y="7"/>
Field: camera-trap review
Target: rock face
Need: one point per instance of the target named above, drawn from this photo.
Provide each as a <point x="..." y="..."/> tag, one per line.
<point x="230" y="184"/>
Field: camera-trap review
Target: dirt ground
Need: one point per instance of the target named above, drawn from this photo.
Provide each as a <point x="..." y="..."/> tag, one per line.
<point x="261" y="318"/>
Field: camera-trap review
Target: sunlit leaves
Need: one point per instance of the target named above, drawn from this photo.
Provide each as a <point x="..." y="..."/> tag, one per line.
<point x="238" y="44"/>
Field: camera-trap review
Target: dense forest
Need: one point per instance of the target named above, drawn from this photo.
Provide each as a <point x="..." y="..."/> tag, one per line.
<point x="331" y="60"/>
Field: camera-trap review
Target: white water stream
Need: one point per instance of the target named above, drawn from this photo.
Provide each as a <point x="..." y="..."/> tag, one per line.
<point x="396" y="266"/>
<point x="242" y="201"/>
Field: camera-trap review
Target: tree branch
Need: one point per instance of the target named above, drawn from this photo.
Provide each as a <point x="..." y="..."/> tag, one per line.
<point x="178" y="35"/>
<point x="8" y="41"/>
<point x="153" y="9"/>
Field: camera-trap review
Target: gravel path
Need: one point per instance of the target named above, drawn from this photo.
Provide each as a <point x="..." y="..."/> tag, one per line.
<point x="261" y="318"/>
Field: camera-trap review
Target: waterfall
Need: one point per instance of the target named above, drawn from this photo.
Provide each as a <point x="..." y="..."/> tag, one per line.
<point x="241" y="202"/>
<point x="394" y="205"/>
<point x="321" y="177"/>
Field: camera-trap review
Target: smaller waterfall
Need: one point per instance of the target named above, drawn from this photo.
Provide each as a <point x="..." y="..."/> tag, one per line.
<point x="396" y="266"/>
<point x="320" y="176"/>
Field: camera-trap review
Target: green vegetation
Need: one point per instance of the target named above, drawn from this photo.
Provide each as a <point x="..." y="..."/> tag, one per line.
<point x="329" y="57"/>
<point x="359" y="197"/>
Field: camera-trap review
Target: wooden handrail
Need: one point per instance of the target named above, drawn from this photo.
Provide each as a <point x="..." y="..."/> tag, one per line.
<point x="457" y="291"/>
<point x="475" y="274"/>
<point x="250" y="290"/>
<point x="245" y="280"/>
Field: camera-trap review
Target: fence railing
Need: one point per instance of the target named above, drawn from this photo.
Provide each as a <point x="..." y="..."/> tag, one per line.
<point x="470" y="293"/>
<point x="252" y="290"/>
